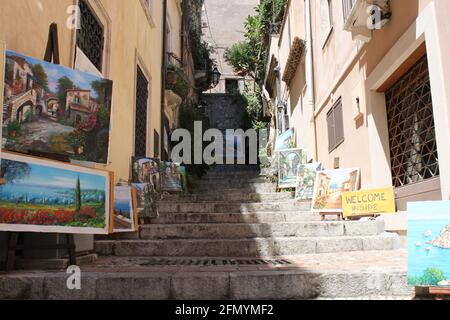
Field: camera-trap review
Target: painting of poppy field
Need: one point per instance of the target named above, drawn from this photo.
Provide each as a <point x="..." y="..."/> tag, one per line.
<point x="39" y="196"/>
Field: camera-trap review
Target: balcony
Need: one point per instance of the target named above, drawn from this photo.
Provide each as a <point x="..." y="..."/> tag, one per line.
<point x="176" y="80"/>
<point x="361" y="17"/>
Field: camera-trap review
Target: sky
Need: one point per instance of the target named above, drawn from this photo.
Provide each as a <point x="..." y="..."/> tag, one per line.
<point x="54" y="72"/>
<point x="54" y="177"/>
<point x="429" y="210"/>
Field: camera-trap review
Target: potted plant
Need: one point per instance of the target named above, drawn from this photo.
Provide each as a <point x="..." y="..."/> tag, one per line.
<point x="171" y="75"/>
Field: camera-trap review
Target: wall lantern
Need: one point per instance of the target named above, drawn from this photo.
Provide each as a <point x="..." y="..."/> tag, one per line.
<point x="215" y="76"/>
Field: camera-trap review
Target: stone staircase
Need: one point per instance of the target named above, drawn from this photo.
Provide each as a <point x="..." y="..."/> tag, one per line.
<point x="233" y="226"/>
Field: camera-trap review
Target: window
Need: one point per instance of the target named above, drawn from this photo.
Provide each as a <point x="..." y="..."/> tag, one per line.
<point x="142" y="93"/>
<point x="90" y="37"/>
<point x="347" y="6"/>
<point x="147" y="5"/>
<point x="326" y="20"/>
<point x="335" y="123"/>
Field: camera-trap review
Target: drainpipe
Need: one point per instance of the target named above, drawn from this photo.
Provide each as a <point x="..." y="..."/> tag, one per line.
<point x="279" y="129"/>
<point x="310" y="75"/>
<point x="163" y="76"/>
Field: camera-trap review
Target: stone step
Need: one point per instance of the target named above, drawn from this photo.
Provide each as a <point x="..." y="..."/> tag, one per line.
<point x="231" y="175"/>
<point x="256" y="188"/>
<point x="257" y="247"/>
<point x="129" y="282"/>
<point x="231" y="180"/>
<point x="235" y="168"/>
<point x="230" y="207"/>
<point x="261" y="230"/>
<point x="230" y="196"/>
<point x="252" y="217"/>
<point x="245" y="185"/>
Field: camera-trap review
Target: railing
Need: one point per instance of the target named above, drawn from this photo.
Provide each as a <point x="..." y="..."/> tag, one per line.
<point x="173" y="60"/>
<point x="348" y="6"/>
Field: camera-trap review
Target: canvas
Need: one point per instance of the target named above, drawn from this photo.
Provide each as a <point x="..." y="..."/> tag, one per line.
<point x="55" y="111"/>
<point x="146" y="170"/>
<point x="288" y="164"/>
<point x="306" y="176"/>
<point x="329" y="186"/>
<point x="48" y="196"/>
<point x="429" y="244"/>
<point x="285" y="140"/>
<point x="146" y="197"/>
<point x="171" y="180"/>
<point x="125" y="219"/>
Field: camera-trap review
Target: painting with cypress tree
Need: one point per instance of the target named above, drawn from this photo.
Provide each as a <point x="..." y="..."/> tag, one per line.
<point x="46" y="196"/>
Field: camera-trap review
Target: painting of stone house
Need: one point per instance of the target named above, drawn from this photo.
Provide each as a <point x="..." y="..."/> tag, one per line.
<point x="55" y="110"/>
<point x="329" y="186"/>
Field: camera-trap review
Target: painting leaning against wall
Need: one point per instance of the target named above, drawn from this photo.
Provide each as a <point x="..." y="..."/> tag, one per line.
<point x="46" y="196"/>
<point x="429" y="243"/>
<point x="125" y="215"/>
<point x="55" y="110"/>
<point x="288" y="164"/>
<point x="306" y="176"/>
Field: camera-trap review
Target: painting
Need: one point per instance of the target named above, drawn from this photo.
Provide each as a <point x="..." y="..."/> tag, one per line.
<point x="171" y="180"/>
<point x="288" y="164"/>
<point x="429" y="244"/>
<point x="285" y="140"/>
<point x="146" y="170"/>
<point x="55" y="111"/>
<point x="146" y="197"/>
<point x="39" y="195"/>
<point x="306" y="176"/>
<point x="125" y="214"/>
<point x="2" y="80"/>
<point x="329" y="186"/>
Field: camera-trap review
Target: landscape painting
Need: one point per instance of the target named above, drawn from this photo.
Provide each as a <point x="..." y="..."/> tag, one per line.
<point x="171" y="180"/>
<point x="429" y="244"/>
<point x="329" y="186"/>
<point x="124" y="209"/>
<point x="306" y="176"/>
<point x="146" y="170"/>
<point x="288" y="164"/>
<point x="285" y="140"/>
<point x="55" y="111"/>
<point x="38" y="195"/>
<point x="146" y="197"/>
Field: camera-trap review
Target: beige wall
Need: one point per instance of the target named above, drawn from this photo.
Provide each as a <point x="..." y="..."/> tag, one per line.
<point x="134" y="37"/>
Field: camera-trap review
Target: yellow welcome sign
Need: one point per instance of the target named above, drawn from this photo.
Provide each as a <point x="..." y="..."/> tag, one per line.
<point x="365" y="202"/>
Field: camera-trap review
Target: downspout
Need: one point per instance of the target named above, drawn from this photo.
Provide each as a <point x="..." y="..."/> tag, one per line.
<point x="310" y="75"/>
<point x="163" y="76"/>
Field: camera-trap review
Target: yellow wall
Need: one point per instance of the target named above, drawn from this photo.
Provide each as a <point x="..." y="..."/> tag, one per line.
<point x="133" y="37"/>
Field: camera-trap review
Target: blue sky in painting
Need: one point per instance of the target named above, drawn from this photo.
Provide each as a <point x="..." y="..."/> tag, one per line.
<point x="82" y="80"/>
<point x="60" y="178"/>
<point x="429" y="210"/>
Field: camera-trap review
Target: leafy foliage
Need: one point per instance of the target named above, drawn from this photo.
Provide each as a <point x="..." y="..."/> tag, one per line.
<point x="40" y="76"/>
<point x="431" y="277"/>
<point x="12" y="171"/>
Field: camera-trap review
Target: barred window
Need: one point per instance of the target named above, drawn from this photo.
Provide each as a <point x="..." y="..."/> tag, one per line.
<point x="142" y="93"/>
<point x="90" y="37"/>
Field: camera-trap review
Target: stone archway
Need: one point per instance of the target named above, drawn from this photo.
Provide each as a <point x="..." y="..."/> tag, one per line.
<point x="20" y="114"/>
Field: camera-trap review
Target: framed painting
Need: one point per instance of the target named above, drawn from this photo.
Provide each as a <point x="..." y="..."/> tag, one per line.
<point x="285" y="140"/>
<point x="288" y="164"/>
<point x="125" y="211"/>
<point x="146" y="197"/>
<point x="40" y="195"/>
<point x="146" y="170"/>
<point x="2" y="82"/>
<point x="329" y="186"/>
<point x="171" y="180"/>
<point x="429" y="244"/>
<point x="54" y="111"/>
<point x="306" y="176"/>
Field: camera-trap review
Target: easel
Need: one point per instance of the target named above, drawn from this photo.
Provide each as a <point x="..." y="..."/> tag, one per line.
<point x="51" y="53"/>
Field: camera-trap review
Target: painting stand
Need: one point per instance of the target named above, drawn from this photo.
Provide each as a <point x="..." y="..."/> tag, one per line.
<point x="339" y="215"/>
<point x="51" y="53"/>
<point x="14" y="246"/>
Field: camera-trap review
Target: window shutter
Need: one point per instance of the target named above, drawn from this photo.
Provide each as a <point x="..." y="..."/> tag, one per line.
<point x="331" y="131"/>
<point x="338" y="123"/>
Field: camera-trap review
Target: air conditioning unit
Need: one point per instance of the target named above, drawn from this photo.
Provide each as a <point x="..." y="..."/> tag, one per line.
<point x="364" y="16"/>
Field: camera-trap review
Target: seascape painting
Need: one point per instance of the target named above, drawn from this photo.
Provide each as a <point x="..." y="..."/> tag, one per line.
<point x="124" y="212"/>
<point x="306" y="176"/>
<point x="288" y="164"/>
<point x="44" y="196"/>
<point x="55" y="111"/>
<point x="329" y="187"/>
<point x="429" y="244"/>
<point x="285" y="140"/>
